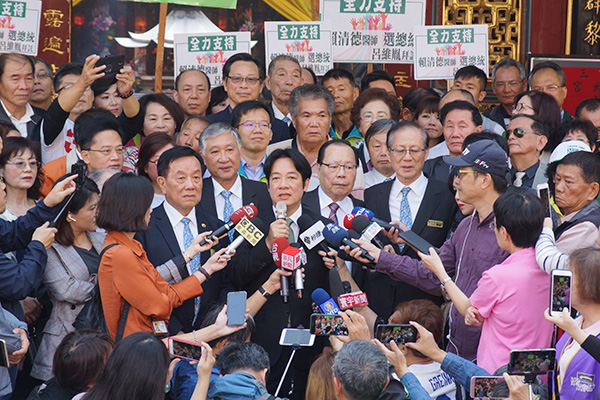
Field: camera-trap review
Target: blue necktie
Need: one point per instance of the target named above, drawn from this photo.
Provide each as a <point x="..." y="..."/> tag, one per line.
<point x="194" y="263"/>
<point x="388" y="179"/>
<point x="405" y="214"/>
<point x="227" y="211"/>
<point x="286" y="119"/>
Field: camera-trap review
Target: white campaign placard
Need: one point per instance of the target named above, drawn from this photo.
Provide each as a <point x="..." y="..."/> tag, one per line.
<point x="208" y="52"/>
<point x="373" y="31"/>
<point x="441" y="50"/>
<point x="20" y="26"/>
<point x="308" y="42"/>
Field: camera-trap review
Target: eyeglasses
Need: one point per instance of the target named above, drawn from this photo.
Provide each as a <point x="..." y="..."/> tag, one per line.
<point x="547" y="89"/>
<point x="336" y="167"/>
<point x="250" y="125"/>
<point x="510" y="85"/>
<point x="520" y="106"/>
<point x="404" y="152"/>
<point x="461" y="172"/>
<point x="518" y="132"/>
<point x="42" y="75"/>
<point x="22" y="164"/>
<point x="69" y="85"/>
<point x="236" y="80"/>
<point x="106" y="152"/>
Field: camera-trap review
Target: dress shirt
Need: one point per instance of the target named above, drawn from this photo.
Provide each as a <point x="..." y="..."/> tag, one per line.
<point x="294" y="225"/>
<point x="374" y="177"/>
<point x="20" y="124"/>
<point x="415" y="197"/>
<point x="250" y="172"/>
<point x="345" y="204"/>
<point x="175" y="218"/>
<point x="235" y="198"/>
<point x="529" y="175"/>
<point x="279" y="115"/>
<point x="438" y="150"/>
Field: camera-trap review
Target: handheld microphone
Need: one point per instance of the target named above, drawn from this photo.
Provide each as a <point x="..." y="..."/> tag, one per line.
<point x="240" y="239"/>
<point x="297" y="274"/>
<point x="326" y="304"/>
<point x="371" y="217"/>
<point x="348" y="220"/>
<point x="368" y="230"/>
<point x="248" y="211"/>
<point x="337" y="237"/>
<point x="336" y="286"/>
<point x="312" y="233"/>
<point x="280" y="210"/>
<point x="279" y="245"/>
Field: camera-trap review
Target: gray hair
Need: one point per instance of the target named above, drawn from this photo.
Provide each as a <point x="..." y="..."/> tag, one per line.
<point x="310" y="92"/>
<point x="99" y="176"/>
<point x="403" y="125"/>
<point x="549" y="65"/>
<point x="217" y="129"/>
<point x="362" y="369"/>
<point x="506" y="63"/>
<point x="283" y="57"/>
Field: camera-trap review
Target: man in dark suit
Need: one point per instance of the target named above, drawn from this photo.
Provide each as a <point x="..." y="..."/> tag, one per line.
<point x="288" y="173"/>
<point x="422" y="204"/>
<point x="173" y="237"/>
<point x="243" y="76"/>
<point x="285" y="74"/>
<point x="16" y="86"/>
<point x="225" y="190"/>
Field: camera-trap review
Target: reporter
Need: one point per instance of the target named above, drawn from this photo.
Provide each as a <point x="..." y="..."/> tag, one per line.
<point x="125" y="274"/>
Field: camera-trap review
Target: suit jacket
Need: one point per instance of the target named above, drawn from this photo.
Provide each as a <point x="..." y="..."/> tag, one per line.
<point x="160" y="244"/>
<point x="252" y="192"/>
<point x="311" y="201"/>
<point x="437" y="169"/>
<point x="432" y="222"/>
<point x="33" y="126"/>
<point x="495" y="114"/>
<point x="279" y="128"/>
<point x="70" y="286"/>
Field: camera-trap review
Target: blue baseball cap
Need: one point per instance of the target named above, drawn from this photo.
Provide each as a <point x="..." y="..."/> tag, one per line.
<point x="485" y="154"/>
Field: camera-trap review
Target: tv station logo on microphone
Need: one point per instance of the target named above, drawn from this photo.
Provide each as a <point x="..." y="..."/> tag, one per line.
<point x="249" y="231"/>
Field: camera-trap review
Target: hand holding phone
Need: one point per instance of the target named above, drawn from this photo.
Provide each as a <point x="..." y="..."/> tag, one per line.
<point x="328" y="325"/>
<point x="560" y="291"/>
<point x="185" y="349"/>
<point x="533" y="362"/>
<point x="492" y="387"/>
<point x="236" y="308"/>
<point x="403" y="333"/>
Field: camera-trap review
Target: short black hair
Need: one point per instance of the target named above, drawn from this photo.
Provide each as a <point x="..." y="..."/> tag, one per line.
<point x="461" y="105"/>
<point x="47" y="66"/>
<point x="66" y="69"/>
<point x="471" y="71"/>
<point x="92" y="122"/>
<point x="339" y="73"/>
<point x="242" y="357"/>
<point x="300" y="162"/>
<point x="588" y="163"/>
<point x="245" y="107"/>
<point x="193" y="69"/>
<point x="500" y="182"/>
<point x="412" y="98"/>
<point x="243" y="57"/>
<point x="576" y="124"/>
<point x="522" y="214"/>
<point x="168" y="103"/>
<point x="125" y="200"/>
<point x="537" y="125"/>
<point x="562" y="78"/>
<point x="5" y="57"/>
<point x="149" y="148"/>
<point x="336" y="142"/>
<point x="241" y="336"/>
<point x="175" y="153"/>
<point x="82" y="195"/>
<point x="379" y="75"/>
<point x="379" y="126"/>
<point x="590" y="105"/>
<point x="486" y="135"/>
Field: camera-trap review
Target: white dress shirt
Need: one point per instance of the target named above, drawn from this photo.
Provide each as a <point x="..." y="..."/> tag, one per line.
<point x="374" y="177"/>
<point x="345" y="206"/>
<point x="294" y="225"/>
<point x="279" y="115"/>
<point x="175" y="218"/>
<point x="415" y="197"/>
<point x="20" y="124"/>
<point x="235" y="198"/>
<point x="438" y="150"/>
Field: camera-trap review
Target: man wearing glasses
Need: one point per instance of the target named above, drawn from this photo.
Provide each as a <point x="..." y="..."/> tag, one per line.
<point x="526" y="138"/>
<point x="508" y="80"/>
<point x="43" y="90"/>
<point x="424" y="205"/>
<point x="548" y="77"/>
<point x="243" y="78"/>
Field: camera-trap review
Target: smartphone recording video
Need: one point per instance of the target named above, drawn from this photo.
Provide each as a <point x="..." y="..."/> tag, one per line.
<point x="536" y="362"/>
<point x="184" y="349"/>
<point x="403" y="333"/>
<point x="327" y="325"/>
<point x="490" y="387"/>
<point x="561" y="291"/>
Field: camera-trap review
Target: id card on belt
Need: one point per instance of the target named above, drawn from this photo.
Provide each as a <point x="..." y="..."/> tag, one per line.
<point x="160" y="327"/>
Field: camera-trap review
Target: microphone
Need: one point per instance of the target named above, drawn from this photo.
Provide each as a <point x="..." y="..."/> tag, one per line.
<point x="312" y="233"/>
<point x="280" y="210"/>
<point x="337" y="237"/>
<point x="326" y="304"/>
<point x="248" y="211"/>
<point x="279" y="245"/>
<point x="240" y="239"/>
<point x="297" y="274"/>
<point x="368" y="230"/>
<point x="371" y="217"/>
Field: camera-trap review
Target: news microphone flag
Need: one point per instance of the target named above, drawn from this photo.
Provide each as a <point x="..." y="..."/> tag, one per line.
<point x="326" y="304"/>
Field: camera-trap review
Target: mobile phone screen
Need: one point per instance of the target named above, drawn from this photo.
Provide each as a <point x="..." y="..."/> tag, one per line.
<point x="561" y="292"/>
<point x="236" y="308"/>
<point x="186" y="350"/>
<point x="327" y="325"/>
<point x="490" y="387"/>
<point x="538" y="361"/>
<point x="397" y="333"/>
<point x="544" y="195"/>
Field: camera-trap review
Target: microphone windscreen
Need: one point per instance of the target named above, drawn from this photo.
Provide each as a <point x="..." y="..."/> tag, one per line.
<point x="348" y="221"/>
<point x="360" y="223"/>
<point x="281" y="208"/>
<point x="320" y="296"/>
<point x="248" y="211"/>
<point x="334" y="235"/>
<point x="352" y="234"/>
<point x="363" y="211"/>
<point x="279" y="245"/>
<point x="336" y="287"/>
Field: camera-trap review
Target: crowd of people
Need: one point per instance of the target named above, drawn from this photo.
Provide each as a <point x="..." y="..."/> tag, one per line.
<point x="110" y="201"/>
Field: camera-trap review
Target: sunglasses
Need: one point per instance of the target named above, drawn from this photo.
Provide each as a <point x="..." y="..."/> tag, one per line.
<point x="518" y="132"/>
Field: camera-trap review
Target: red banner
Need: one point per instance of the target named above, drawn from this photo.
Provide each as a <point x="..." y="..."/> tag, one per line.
<point x="55" y="33"/>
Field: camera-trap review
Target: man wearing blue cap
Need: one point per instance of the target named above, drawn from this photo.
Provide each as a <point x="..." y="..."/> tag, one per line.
<point x="471" y="250"/>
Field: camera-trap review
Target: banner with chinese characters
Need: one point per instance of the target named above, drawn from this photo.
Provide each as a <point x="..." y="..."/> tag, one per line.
<point x="208" y="52"/>
<point x="20" y="21"/>
<point x="441" y="50"/>
<point x="232" y="4"/>
<point x="308" y="42"/>
<point x="54" y="33"/>
<point x="373" y="31"/>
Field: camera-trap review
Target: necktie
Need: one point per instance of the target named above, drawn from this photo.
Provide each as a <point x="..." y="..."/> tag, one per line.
<point x="405" y="214"/>
<point x="291" y="236"/>
<point x="194" y="263"/>
<point x="333" y="207"/>
<point x="227" y="211"/>
<point x="287" y="120"/>
<point x="519" y="179"/>
<point x="388" y="179"/>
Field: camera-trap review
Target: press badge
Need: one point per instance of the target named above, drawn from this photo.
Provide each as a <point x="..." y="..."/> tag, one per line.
<point x="160" y="328"/>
